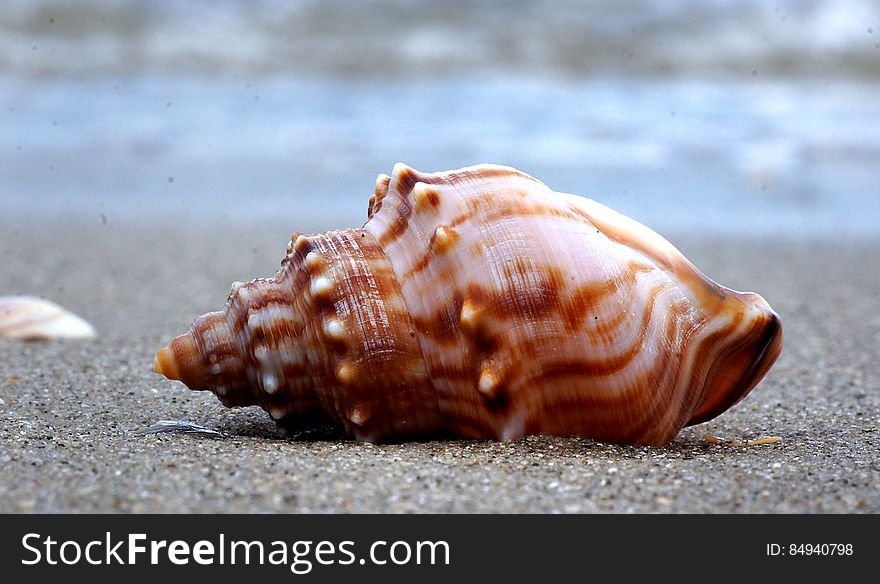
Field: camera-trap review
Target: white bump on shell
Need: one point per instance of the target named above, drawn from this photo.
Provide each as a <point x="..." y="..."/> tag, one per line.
<point x="334" y="329"/>
<point x="358" y="416"/>
<point x="345" y="373"/>
<point x="313" y="260"/>
<point x="488" y="382"/>
<point x="270" y="383"/>
<point x="261" y="352"/>
<point x="322" y="286"/>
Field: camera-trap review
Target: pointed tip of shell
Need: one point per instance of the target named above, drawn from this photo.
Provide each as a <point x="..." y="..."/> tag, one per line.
<point x="200" y="359"/>
<point x="180" y="361"/>
<point x="164" y="364"/>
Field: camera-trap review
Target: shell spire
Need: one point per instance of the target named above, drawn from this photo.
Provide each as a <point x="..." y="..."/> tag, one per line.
<point x="481" y="304"/>
<point x="328" y="339"/>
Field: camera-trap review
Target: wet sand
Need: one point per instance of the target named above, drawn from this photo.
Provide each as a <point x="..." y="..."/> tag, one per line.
<point x="73" y="412"/>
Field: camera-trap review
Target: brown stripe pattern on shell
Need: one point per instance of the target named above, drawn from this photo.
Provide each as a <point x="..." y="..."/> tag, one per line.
<point x="479" y="303"/>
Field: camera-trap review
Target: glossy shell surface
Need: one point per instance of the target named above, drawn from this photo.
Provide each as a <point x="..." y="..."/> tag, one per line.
<point x="479" y="303"/>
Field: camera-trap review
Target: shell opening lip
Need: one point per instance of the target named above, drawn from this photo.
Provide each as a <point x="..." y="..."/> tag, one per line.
<point x="769" y="346"/>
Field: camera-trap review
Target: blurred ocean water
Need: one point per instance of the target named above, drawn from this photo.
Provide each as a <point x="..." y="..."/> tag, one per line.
<point x="423" y="38"/>
<point x="693" y="116"/>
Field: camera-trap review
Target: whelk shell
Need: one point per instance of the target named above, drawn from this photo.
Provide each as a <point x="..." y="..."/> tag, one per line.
<point x="479" y="303"/>
<point x="34" y="319"/>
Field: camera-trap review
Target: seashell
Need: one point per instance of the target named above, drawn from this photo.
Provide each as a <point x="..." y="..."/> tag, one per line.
<point x="479" y="303"/>
<point x="35" y="319"/>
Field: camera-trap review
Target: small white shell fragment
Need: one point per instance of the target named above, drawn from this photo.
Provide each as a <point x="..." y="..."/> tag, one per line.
<point x="34" y="319"/>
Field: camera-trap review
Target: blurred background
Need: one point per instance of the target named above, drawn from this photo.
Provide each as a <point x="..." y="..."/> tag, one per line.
<point x="695" y="116"/>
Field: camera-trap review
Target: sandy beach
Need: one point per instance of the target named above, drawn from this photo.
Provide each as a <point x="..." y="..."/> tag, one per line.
<point x="73" y="412"/>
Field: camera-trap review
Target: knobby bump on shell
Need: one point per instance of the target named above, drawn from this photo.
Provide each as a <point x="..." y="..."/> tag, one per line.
<point x="478" y="303"/>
